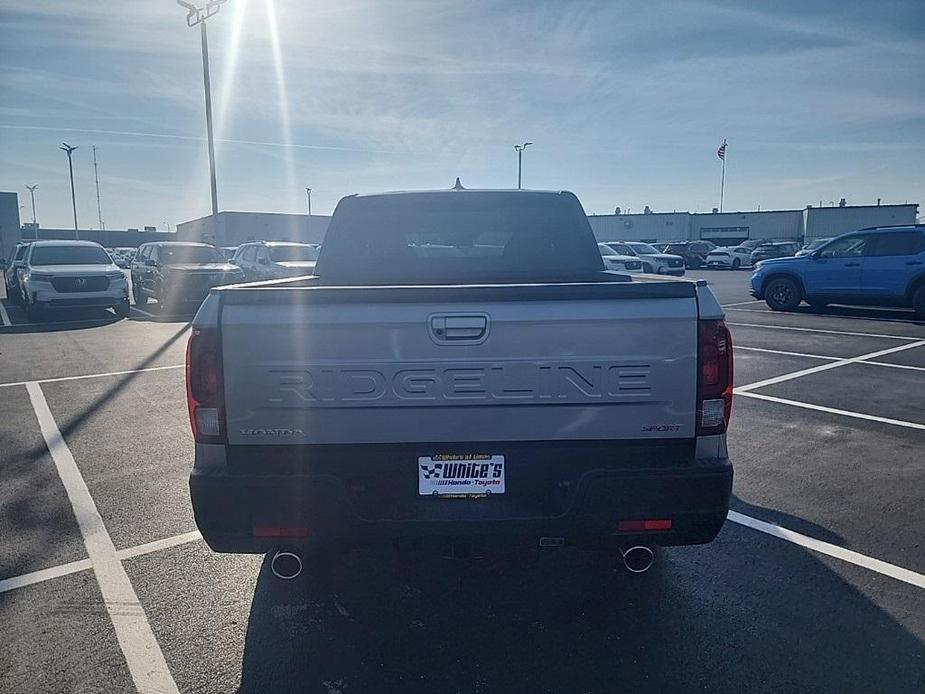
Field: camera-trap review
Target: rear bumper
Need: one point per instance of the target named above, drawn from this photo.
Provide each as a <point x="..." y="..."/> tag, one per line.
<point x="330" y="511"/>
<point x="675" y="271"/>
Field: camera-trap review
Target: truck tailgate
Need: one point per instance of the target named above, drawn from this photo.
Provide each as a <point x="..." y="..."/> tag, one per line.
<point x="454" y="364"/>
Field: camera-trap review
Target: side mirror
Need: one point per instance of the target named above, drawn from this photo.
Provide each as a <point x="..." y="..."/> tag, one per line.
<point x="151" y="262"/>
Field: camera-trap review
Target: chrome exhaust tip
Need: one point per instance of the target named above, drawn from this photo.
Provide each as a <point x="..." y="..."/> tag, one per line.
<point x="638" y="559"/>
<point x="286" y="565"/>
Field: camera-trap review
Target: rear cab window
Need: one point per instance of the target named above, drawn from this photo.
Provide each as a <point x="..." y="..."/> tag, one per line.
<point x="459" y="238"/>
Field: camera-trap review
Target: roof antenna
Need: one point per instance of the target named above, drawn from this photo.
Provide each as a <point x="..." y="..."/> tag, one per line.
<point x="458" y="186"/>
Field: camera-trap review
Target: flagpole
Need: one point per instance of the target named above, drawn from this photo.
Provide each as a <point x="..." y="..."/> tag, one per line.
<point x="722" y="184"/>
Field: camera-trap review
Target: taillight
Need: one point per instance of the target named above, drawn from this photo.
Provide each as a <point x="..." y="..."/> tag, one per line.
<point x="204" y="393"/>
<point x="714" y="378"/>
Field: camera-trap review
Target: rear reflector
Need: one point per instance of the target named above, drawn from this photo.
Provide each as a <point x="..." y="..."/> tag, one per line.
<point x="637" y="525"/>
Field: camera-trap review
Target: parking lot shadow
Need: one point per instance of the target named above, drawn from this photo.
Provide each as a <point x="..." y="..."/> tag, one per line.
<point x="73" y="319"/>
<point x="906" y="316"/>
<point x="747" y="613"/>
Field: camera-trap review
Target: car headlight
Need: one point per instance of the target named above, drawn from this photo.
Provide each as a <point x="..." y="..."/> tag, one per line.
<point x="115" y="275"/>
<point x="39" y="277"/>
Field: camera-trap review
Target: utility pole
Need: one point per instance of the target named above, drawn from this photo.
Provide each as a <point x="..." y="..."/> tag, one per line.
<point x="32" y="190"/>
<point x="67" y="149"/>
<point x="520" y="155"/>
<point x="96" y="175"/>
<point x="199" y="15"/>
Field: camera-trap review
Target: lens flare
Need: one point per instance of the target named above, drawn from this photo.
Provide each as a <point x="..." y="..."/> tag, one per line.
<point x="286" y="134"/>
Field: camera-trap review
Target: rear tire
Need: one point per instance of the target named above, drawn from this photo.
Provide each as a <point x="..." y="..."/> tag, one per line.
<point x="918" y="302"/>
<point x="736" y="263"/>
<point x="782" y="294"/>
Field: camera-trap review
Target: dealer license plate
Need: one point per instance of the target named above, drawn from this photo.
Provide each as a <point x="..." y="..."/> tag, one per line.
<point x="464" y="475"/>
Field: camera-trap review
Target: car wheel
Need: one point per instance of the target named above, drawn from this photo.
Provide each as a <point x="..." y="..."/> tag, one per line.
<point x="736" y="263"/>
<point x="647" y="268"/>
<point x="918" y="302"/>
<point x="782" y="294"/>
<point x="122" y="309"/>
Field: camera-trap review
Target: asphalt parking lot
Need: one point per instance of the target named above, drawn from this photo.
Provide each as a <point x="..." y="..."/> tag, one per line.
<point x="816" y="584"/>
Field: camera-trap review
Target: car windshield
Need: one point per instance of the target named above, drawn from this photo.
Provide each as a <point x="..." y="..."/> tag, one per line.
<point x="69" y="255"/>
<point x="193" y="255"/>
<point x="679" y="248"/>
<point x="282" y="254"/>
<point x="621" y="248"/>
<point x="606" y="250"/>
<point x="643" y="249"/>
<point x="813" y="245"/>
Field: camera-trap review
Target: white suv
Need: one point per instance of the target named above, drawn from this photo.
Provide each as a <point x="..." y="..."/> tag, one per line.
<point x="64" y="274"/>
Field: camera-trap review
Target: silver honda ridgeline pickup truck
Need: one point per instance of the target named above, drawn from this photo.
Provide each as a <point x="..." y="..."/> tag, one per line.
<point x="461" y="372"/>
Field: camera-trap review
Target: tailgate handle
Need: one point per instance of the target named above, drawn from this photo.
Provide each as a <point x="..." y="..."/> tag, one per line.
<point x="459" y="328"/>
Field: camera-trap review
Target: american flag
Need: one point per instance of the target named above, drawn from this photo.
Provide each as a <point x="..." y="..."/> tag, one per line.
<point x="721" y="152"/>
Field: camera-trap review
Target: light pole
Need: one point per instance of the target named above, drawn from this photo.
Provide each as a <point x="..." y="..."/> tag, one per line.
<point x="67" y="149"/>
<point x="520" y="156"/>
<point x="32" y="190"/>
<point x="196" y="15"/>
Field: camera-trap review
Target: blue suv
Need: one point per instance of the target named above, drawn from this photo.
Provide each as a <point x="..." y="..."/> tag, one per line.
<point x="879" y="266"/>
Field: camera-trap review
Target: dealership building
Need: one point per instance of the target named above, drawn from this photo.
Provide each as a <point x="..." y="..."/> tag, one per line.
<point x="732" y="228"/>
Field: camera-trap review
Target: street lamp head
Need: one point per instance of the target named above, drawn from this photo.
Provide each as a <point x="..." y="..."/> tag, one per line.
<point x="32" y="189"/>
<point x="197" y="15"/>
<point x="527" y="144"/>
<point x="65" y="147"/>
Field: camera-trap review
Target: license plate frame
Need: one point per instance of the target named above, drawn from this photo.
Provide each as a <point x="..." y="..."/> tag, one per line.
<point x="461" y="476"/>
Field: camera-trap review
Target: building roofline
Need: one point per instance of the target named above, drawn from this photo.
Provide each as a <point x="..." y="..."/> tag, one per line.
<point x="873" y="207"/>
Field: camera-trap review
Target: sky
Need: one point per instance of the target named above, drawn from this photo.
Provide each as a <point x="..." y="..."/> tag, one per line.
<point x="626" y="103"/>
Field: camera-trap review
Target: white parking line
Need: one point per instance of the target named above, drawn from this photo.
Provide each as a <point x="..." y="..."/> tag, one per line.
<point x="74" y="567"/>
<point x="911" y="321"/>
<point x="158" y="545"/>
<point x="142" y="654"/>
<point x="894" y="366"/>
<point x="28" y="579"/>
<point x="58" y="379"/>
<point x="4" y="316"/>
<point x="786" y="354"/>
<point x="827" y="332"/>
<point x="825" y="367"/>
<point x="881" y="567"/>
<point x="833" y="410"/>
<point x="743" y="303"/>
